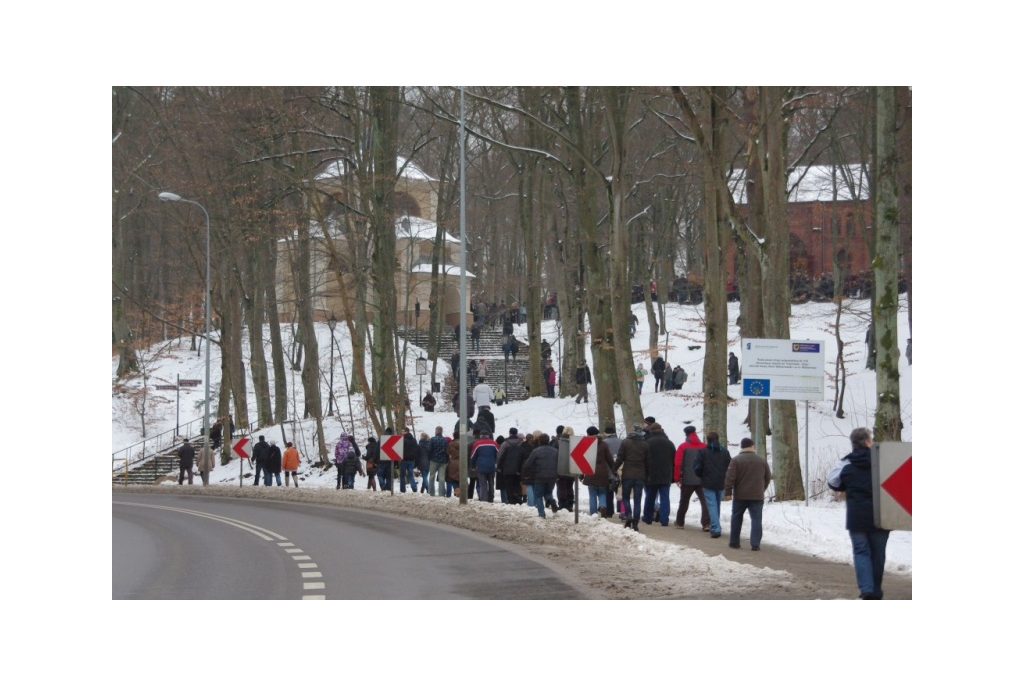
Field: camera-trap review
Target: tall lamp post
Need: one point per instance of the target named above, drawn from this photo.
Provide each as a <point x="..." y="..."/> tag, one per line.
<point x="331" y="323"/>
<point x="171" y="197"/>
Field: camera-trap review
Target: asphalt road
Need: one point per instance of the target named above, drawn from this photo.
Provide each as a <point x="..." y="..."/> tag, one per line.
<point x="169" y="547"/>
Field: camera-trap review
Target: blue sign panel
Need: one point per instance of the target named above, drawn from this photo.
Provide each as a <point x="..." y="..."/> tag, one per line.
<point x="757" y="387"/>
<point x="813" y="348"/>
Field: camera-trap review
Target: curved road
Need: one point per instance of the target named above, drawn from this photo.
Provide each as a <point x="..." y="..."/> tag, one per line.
<point x="168" y="547"/>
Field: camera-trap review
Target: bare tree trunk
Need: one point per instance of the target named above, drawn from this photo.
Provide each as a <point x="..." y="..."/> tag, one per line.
<point x="383" y="122"/>
<point x="716" y="311"/>
<point x="616" y="104"/>
<point x="255" y="285"/>
<point x="310" y="374"/>
<point x="888" y="421"/>
<point x="276" y="344"/>
<point x="772" y="164"/>
<point x="605" y="344"/>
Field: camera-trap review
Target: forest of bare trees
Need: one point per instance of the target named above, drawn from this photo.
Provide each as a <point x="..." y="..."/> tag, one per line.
<point x="579" y="191"/>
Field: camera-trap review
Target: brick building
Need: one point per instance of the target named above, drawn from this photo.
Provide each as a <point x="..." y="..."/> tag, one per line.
<point x="829" y="213"/>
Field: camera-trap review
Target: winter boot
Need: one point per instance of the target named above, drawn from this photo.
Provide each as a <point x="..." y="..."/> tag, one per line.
<point x="636" y="525"/>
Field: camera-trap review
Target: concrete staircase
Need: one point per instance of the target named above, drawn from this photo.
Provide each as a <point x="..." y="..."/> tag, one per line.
<point x="150" y="471"/>
<point x="491" y="341"/>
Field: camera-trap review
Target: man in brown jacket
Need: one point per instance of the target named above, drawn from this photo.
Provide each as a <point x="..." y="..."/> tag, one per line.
<point x="748" y="475"/>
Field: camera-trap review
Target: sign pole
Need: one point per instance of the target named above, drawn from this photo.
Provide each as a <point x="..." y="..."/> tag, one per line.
<point x="807" y="453"/>
<point x="576" y="499"/>
<point x="177" y="406"/>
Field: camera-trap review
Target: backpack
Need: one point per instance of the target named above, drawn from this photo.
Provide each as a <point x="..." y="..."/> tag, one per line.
<point x="342" y="449"/>
<point x="684" y="375"/>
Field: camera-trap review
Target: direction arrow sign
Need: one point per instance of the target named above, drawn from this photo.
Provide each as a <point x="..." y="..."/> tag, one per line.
<point x="900" y="485"/>
<point x="189" y="382"/>
<point x="892" y="484"/>
<point x="583" y="453"/>
<point x="392" y="447"/>
<point x="242" y="448"/>
<point x="166" y="387"/>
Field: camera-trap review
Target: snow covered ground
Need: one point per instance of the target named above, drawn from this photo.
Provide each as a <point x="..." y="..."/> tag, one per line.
<point x="815" y="529"/>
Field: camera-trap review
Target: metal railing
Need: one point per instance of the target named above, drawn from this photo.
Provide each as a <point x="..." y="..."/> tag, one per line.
<point x="124" y="458"/>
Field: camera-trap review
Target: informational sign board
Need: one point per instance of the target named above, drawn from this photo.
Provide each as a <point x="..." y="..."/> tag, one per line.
<point x="583" y="454"/>
<point x="892" y="484"/>
<point x="783" y="369"/>
<point x="392" y="447"/>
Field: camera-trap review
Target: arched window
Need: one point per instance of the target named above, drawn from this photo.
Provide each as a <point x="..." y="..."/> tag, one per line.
<point x="405" y="204"/>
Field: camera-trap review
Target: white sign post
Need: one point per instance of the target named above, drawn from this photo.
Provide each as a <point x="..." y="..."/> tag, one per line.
<point x="786" y="370"/>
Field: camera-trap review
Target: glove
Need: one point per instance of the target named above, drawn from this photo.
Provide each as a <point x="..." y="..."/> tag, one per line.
<point x="727" y="498"/>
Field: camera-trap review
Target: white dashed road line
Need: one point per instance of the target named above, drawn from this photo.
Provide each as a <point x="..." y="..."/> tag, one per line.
<point x="297" y="554"/>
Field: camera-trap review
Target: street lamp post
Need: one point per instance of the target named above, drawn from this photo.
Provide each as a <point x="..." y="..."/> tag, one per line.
<point x="171" y="197"/>
<point x="331" y="323"/>
<point x="421" y="370"/>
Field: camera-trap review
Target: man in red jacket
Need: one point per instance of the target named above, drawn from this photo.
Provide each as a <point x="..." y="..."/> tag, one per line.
<point x="688" y="481"/>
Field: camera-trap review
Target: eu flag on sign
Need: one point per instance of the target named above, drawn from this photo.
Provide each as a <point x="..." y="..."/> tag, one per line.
<point x="757" y="387"/>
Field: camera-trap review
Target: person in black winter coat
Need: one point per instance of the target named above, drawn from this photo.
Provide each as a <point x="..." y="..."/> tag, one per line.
<point x="583" y="379"/>
<point x="510" y="462"/>
<point x="272" y="467"/>
<point x="711" y="465"/>
<point x="660" y="465"/>
<point x="186" y="459"/>
<point x="658" y="371"/>
<point x="541" y="469"/>
<point x="484" y="414"/>
<point x="259" y="458"/>
<point x="853" y="476"/>
<point x="734" y="369"/>
<point x="372" y="459"/>
<point x="410" y="455"/>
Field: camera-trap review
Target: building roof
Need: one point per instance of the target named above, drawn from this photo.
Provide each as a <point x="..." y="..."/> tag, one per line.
<point x="814" y="183"/>
<point x="443" y="269"/>
<point x="409" y="170"/>
<point x="421" y="229"/>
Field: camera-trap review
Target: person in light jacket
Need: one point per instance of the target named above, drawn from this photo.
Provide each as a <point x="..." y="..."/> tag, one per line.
<point x="205" y="463"/>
